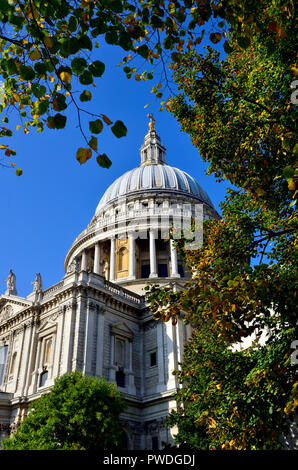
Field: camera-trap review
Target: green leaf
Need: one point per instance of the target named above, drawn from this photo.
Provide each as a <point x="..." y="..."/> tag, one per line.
<point x="85" y="42"/>
<point x="19" y="171"/>
<point x="27" y="72"/>
<point x="288" y="172"/>
<point x="93" y="143"/>
<point x="78" y="65"/>
<point x="73" y="24"/>
<point x="97" y="68"/>
<point x="38" y="90"/>
<point x="215" y="37"/>
<point x="85" y="95"/>
<point x="103" y="161"/>
<point x="40" y="68"/>
<point x="59" y="103"/>
<point x="111" y="37"/>
<point x="227" y="48"/>
<point x="86" y="78"/>
<point x="59" y="121"/>
<point x="119" y="129"/>
<point x="41" y="107"/>
<point x="96" y="126"/>
<point x="243" y="41"/>
<point x="143" y="51"/>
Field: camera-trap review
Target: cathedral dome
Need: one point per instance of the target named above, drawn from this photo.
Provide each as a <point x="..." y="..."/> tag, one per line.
<point x="155" y="177"/>
<point x="127" y="240"/>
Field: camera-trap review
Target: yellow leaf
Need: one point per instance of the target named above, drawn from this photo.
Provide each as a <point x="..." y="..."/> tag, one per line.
<point x="51" y="78"/>
<point x="17" y="127"/>
<point x="35" y="54"/>
<point x="83" y="155"/>
<point x="26" y="130"/>
<point x="31" y="11"/>
<point x="16" y="97"/>
<point x="48" y="42"/>
<point x="65" y="77"/>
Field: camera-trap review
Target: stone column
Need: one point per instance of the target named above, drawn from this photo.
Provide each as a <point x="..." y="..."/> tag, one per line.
<point x="84" y="261"/>
<point x="96" y="258"/>
<point x="132" y="257"/>
<point x="99" y="343"/>
<point x="174" y="260"/>
<point x="170" y="341"/>
<point x="160" y="356"/>
<point x="112" y="368"/>
<point x="112" y="259"/>
<point x="152" y="249"/>
<point x="89" y="338"/>
<point x="131" y="380"/>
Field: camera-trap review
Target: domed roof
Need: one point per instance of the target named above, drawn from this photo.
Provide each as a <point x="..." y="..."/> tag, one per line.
<point x="154" y="177"/>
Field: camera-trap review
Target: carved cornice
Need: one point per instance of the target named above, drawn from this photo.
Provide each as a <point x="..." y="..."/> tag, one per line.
<point x="155" y="426"/>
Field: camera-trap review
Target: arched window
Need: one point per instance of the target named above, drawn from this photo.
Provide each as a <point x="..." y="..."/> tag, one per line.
<point x="43" y="378"/>
<point x="122" y="258"/>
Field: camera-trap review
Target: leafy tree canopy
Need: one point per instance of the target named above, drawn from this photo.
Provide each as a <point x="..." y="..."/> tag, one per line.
<point x="239" y="114"/>
<point x="49" y="50"/>
<point x="79" y="413"/>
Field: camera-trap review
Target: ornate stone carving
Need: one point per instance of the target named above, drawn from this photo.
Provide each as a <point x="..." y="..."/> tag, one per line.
<point x="73" y="267"/>
<point x="154" y="426"/>
<point x="6" y="313"/>
<point x="150" y="325"/>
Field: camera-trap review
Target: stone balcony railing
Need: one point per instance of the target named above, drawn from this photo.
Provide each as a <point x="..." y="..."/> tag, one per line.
<point x="134" y="215"/>
<point x="109" y="286"/>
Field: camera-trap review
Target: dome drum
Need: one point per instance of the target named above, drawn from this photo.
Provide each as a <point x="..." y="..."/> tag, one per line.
<point x="127" y="240"/>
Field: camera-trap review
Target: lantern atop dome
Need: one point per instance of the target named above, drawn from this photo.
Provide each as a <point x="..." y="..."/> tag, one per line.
<point x="152" y="151"/>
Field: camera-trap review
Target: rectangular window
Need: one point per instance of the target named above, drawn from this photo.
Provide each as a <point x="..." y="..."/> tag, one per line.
<point x="162" y="270"/>
<point x="180" y="270"/>
<point x="155" y="443"/>
<point x="120" y="378"/>
<point x="145" y="271"/>
<point x="3" y="356"/>
<point x="153" y="359"/>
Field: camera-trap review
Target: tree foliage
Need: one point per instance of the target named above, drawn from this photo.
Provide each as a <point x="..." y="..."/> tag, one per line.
<point x="79" y="413"/>
<point x="50" y="52"/>
<point x="239" y="114"/>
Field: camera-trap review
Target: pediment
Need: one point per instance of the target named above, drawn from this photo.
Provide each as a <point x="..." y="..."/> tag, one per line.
<point x="10" y="305"/>
<point x="121" y="329"/>
<point x="47" y="325"/>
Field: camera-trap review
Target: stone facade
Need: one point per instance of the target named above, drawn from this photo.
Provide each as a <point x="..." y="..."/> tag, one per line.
<point x="95" y="319"/>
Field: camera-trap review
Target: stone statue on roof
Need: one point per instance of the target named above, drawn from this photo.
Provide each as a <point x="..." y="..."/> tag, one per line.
<point x="11" y="284"/>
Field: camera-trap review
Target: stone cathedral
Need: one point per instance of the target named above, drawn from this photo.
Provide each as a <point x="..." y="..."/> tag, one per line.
<point x="96" y="319"/>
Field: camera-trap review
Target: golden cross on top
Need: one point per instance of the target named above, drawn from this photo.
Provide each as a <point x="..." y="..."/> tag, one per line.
<point x="151" y="122"/>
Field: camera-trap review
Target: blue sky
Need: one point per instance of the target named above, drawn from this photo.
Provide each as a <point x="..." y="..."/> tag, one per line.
<point x="53" y="201"/>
